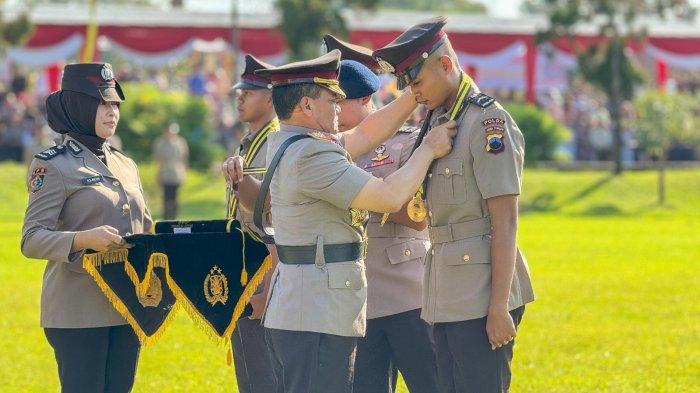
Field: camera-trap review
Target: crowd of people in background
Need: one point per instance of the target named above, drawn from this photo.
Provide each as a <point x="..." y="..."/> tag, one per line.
<point x="582" y="109"/>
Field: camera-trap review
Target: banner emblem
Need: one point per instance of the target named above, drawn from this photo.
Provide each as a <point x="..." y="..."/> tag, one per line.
<point x="216" y="286"/>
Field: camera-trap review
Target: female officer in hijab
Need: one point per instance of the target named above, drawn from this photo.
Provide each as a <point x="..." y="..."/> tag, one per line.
<point x="84" y="194"/>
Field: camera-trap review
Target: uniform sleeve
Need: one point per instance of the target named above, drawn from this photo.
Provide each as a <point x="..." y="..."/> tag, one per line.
<point x="497" y="146"/>
<point x="326" y="173"/>
<point x="47" y="194"/>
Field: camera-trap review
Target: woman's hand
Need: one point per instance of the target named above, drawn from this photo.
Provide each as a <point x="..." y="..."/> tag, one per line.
<point x="99" y="239"/>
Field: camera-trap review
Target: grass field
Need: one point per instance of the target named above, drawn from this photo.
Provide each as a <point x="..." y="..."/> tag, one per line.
<point x="617" y="279"/>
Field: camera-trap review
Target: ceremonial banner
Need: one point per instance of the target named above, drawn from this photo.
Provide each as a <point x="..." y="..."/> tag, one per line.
<point x="205" y="265"/>
<point x="149" y="312"/>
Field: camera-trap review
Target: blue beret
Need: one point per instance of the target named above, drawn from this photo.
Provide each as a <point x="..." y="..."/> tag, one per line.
<point x="357" y="80"/>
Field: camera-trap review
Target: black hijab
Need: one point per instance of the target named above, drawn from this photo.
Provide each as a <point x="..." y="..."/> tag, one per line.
<point x="74" y="113"/>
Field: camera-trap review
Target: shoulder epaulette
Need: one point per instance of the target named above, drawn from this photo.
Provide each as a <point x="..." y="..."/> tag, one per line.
<point x="407" y="129"/>
<point x="73" y="147"/>
<point x="51" y="152"/>
<point x="481" y="100"/>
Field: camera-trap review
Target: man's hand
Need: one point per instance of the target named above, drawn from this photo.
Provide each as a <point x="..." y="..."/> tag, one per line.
<point x="232" y="168"/>
<point x="439" y="139"/>
<point x="500" y="328"/>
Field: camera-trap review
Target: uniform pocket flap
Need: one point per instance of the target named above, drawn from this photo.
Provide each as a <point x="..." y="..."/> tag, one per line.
<point x="342" y="276"/>
<point x="449" y="167"/>
<point x="476" y="250"/>
<point x="406" y="251"/>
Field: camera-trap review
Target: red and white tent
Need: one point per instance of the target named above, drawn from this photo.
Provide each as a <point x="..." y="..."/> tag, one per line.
<point x="500" y="53"/>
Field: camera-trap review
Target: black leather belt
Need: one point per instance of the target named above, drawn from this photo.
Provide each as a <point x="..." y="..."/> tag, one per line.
<point x="306" y="255"/>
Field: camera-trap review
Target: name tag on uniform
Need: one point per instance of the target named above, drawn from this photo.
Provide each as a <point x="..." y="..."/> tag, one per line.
<point x="88" y="181"/>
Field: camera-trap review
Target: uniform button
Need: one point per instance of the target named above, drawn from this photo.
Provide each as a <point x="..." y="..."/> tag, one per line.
<point x="347" y="283"/>
<point x="430" y="213"/>
<point x="466" y="258"/>
<point x="430" y="175"/>
<point x="126" y="208"/>
<point x="447" y="171"/>
<point x="407" y="253"/>
<point x="127" y="234"/>
<point x="432" y="252"/>
<point x="116" y="183"/>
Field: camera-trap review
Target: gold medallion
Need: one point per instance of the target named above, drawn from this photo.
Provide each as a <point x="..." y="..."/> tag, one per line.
<point x="216" y="286"/>
<point x="417" y="211"/>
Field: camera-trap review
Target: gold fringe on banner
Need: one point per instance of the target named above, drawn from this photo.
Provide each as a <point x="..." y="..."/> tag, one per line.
<point x="92" y="262"/>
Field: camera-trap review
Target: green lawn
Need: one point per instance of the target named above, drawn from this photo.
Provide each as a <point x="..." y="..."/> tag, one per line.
<point x="617" y="279"/>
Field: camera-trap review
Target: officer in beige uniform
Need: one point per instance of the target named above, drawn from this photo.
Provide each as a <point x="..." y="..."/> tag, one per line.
<point x="477" y="282"/>
<point x="397" y="338"/>
<point x="254" y="105"/>
<point x="317" y="303"/>
<point x="84" y="194"/>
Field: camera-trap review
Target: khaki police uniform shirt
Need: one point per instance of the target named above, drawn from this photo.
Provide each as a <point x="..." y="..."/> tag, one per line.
<point x="311" y="193"/>
<point x="395" y="254"/>
<point x="244" y="216"/>
<point x="458" y="274"/>
<point x="171" y="154"/>
<point x="75" y="191"/>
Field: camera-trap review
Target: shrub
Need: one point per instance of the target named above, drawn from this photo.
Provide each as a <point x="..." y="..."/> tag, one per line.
<point x="543" y="134"/>
<point x="147" y="111"/>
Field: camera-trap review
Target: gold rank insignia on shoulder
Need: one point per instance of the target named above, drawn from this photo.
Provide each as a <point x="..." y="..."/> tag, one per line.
<point x="417" y="210"/>
<point x="216" y="286"/>
<point x="323" y="136"/>
<point x="154" y="294"/>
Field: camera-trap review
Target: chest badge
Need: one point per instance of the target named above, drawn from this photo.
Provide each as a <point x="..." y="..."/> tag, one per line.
<point x="216" y="287"/>
<point x="358" y="217"/>
<point x="380" y="158"/>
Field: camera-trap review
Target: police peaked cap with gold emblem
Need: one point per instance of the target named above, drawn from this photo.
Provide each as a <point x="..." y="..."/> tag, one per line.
<point x="354" y="52"/>
<point x="251" y="81"/>
<point x="94" y="79"/>
<point x="405" y="55"/>
<point x="322" y="71"/>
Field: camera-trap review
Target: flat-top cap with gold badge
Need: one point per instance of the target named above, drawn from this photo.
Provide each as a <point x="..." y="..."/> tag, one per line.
<point x="251" y="81"/>
<point x="354" y="52"/>
<point x="94" y="79"/>
<point x="322" y="71"/>
<point x="405" y="55"/>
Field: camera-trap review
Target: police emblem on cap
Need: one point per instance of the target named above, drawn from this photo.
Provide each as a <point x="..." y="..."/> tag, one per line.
<point x="385" y="65"/>
<point x="106" y="73"/>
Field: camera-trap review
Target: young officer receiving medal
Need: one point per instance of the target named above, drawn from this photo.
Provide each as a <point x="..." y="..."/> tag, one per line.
<point x="477" y="281"/>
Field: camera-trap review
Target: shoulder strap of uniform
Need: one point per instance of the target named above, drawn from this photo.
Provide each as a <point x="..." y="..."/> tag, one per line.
<point x="51" y="152"/>
<point x="265" y="186"/>
<point x="482" y="100"/>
